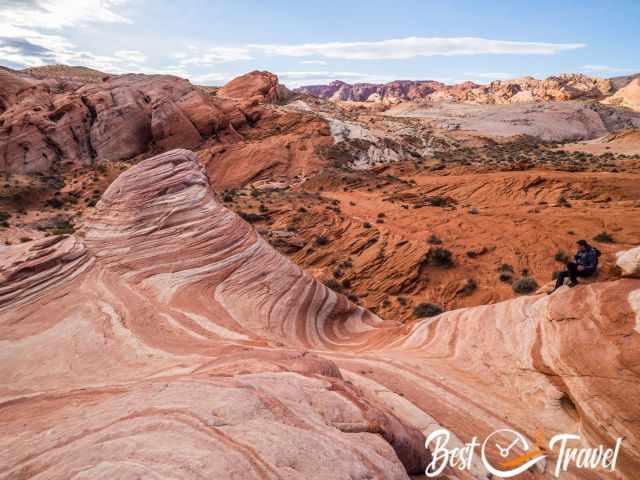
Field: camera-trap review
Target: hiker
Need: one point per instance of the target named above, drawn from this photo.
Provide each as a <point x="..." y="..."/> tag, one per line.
<point x="585" y="265"/>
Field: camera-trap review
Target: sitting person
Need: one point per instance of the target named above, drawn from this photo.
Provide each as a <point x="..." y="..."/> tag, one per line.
<point x="585" y="265"/>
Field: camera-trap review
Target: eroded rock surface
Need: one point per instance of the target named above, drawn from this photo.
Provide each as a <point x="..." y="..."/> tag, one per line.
<point x="168" y="340"/>
<point x="526" y="89"/>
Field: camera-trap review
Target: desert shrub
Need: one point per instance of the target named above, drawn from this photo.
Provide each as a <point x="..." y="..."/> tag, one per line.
<point x="252" y="217"/>
<point x="469" y="287"/>
<point x="366" y="225"/>
<point x="322" y="240"/>
<point x="25" y="239"/>
<point x="4" y="218"/>
<point x="55" y="203"/>
<point x="346" y="264"/>
<point x="353" y="298"/>
<point x="381" y="215"/>
<point x="506" y="277"/>
<point x="333" y="284"/>
<point x="525" y="285"/>
<point x="434" y="240"/>
<point x="402" y="301"/>
<point x="346" y="283"/>
<point x="63" y="227"/>
<point x="505" y="267"/>
<point x="440" y="257"/>
<point x="603" y="237"/>
<point x="427" y="310"/>
<point x="561" y="256"/>
<point x="438" y="201"/>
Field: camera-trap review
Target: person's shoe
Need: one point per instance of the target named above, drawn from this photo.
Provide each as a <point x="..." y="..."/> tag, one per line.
<point x="572" y="284"/>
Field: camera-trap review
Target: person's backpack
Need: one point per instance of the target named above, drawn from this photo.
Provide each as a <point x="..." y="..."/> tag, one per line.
<point x="598" y="253"/>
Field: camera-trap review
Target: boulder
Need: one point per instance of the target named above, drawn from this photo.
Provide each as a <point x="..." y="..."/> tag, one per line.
<point x="629" y="262"/>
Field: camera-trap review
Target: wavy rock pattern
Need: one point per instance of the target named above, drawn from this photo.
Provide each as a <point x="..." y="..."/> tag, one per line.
<point x="168" y="340"/>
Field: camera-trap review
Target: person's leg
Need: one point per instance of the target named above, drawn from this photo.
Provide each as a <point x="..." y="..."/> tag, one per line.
<point x="585" y="273"/>
<point x="572" y="268"/>
<point x="560" y="280"/>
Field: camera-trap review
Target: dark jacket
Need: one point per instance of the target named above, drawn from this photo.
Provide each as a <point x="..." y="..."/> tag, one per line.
<point x="588" y="259"/>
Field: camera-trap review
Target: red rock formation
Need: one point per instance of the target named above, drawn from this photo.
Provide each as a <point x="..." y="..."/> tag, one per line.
<point x="527" y="89"/>
<point x="48" y="124"/>
<point x="53" y="122"/>
<point x="169" y="339"/>
<point x="256" y="86"/>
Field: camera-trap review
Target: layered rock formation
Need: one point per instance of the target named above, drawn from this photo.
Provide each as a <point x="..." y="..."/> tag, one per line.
<point x="628" y="96"/>
<point x="526" y="89"/>
<point x="169" y="340"/>
<point x="50" y="123"/>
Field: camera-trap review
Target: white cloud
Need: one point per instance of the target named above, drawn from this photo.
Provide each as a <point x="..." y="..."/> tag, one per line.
<point x="404" y="48"/>
<point x="131" y="56"/>
<point x="212" y="78"/>
<point x="313" y="62"/>
<point x="604" y="69"/>
<point x="215" y="55"/>
<point x="26" y="38"/>
<point x="56" y="14"/>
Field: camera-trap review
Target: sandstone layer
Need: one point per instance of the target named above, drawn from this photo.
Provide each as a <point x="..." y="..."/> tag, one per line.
<point x="169" y="340"/>
<point x="526" y="89"/>
<point x="52" y="123"/>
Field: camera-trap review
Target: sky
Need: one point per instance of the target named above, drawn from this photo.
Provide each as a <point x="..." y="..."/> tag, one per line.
<point x="315" y="42"/>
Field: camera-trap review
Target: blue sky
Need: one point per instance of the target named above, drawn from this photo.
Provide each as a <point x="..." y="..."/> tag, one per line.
<point x="210" y="42"/>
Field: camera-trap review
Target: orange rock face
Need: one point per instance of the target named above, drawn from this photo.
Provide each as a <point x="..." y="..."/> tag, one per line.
<point x="167" y="339"/>
<point x="50" y="123"/>
<point x="262" y="86"/>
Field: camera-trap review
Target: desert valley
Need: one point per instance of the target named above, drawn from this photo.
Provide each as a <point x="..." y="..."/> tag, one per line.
<point x="255" y="281"/>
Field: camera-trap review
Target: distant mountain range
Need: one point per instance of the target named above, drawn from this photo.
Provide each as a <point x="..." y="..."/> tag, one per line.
<point x="525" y="89"/>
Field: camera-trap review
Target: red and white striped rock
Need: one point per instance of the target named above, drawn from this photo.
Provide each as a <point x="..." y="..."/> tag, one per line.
<point x="168" y="340"/>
